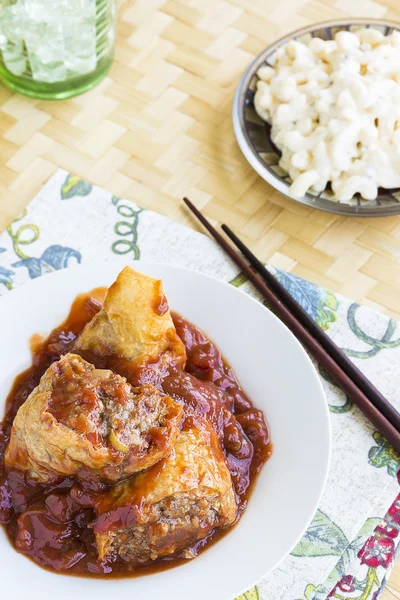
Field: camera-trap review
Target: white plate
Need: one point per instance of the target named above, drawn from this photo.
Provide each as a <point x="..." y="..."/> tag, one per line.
<point x="278" y="377"/>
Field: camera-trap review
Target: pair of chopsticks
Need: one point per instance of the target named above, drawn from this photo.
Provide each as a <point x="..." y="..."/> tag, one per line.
<point x="350" y="379"/>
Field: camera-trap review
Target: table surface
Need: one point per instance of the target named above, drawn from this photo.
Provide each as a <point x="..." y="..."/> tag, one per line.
<point x="159" y="127"/>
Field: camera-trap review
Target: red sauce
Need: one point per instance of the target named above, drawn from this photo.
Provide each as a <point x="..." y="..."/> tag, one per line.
<point x="48" y="522"/>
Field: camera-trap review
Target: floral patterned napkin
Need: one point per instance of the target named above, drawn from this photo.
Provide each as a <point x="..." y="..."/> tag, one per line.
<point x="354" y="537"/>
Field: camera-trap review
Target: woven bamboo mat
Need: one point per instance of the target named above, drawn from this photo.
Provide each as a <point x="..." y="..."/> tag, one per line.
<point x="159" y="127"/>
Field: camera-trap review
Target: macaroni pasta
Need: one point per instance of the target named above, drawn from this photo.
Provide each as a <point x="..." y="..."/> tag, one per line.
<point x="334" y="108"/>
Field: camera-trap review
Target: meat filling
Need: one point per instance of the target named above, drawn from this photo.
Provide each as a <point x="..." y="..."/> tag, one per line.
<point x="86" y="420"/>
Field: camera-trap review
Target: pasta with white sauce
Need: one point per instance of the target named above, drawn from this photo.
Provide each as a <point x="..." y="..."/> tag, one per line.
<point x="334" y="108"/>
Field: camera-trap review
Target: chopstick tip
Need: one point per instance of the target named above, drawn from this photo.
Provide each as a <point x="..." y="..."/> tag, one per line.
<point x="193" y="209"/>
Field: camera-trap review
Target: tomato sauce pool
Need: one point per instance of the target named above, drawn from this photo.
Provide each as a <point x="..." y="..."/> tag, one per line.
<point x="49" y="523"/>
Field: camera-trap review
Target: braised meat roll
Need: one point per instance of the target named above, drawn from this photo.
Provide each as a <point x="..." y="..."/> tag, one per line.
<point x="81" y="420"/>
<point x="134" y="324"/>
<point x="137" y="445"/>
<point x="171" y="506"/>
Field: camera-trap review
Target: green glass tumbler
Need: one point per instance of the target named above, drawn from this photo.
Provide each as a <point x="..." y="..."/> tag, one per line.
<point x="55" y="49"/>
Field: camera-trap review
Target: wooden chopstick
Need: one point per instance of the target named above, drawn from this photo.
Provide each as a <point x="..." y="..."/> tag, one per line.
<point x="387" y="409"/>
<point x="376" y="417"/>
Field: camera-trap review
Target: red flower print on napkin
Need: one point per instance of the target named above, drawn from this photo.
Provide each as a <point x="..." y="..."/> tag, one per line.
<point x="394" y="511"/>
<point x="377" y="552"/>
<point x="346" y="584"/>
<point x="386" y="529"/>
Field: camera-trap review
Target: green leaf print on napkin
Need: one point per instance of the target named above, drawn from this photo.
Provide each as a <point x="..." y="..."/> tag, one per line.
<point x="320" y="592"/>
<point x="23" y="236"/>
<point x="74" y="186"/>
<point x="319" y="303"/>
<point x="336" y="408"/>
<point x="376" y="344"/>
<point x="384" y="455"/>
<point x="322" y="538"/>
<point x="239" y="280"/>
<point x="53" y="258"/>
<point x="309" y="592"/>
<point x="252" y="594"/>
<point x="348" y="556"/>
<point x="126" y="229"/>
